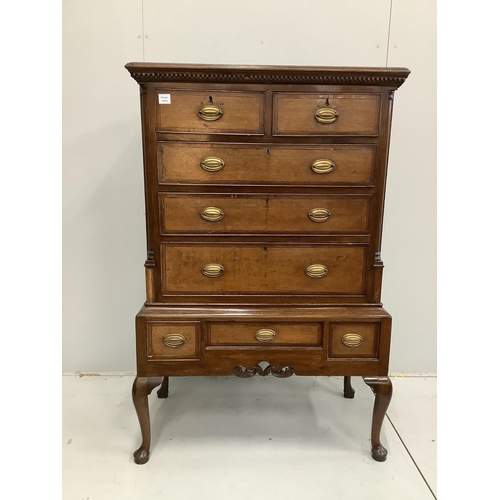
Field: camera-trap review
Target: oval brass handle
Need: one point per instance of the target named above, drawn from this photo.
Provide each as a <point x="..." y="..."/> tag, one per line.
<point x="174" y="340"/>
<point x="265" y="335"/>
<point x="322" y="166"/>
<point x="320" y="214"/>
<point x="210" y="112"/>
<point x="326" y="115"/>
<point x="213" y="270"/>
<point x="212" y="164"/>
<point x="212" y="214"/>
<point x="317" y="271"/>
<point x="352" y="339"/>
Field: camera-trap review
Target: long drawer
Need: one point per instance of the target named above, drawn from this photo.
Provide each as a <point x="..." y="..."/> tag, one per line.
<point x="216" y="163"/>
<point x="239" y="213"/>
<point x="335" y="269"/>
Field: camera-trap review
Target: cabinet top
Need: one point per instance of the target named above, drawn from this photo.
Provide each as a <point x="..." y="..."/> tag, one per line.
<point x="144" y="72"/>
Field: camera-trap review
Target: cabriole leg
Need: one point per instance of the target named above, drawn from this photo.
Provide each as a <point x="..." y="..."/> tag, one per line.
<point x="382" y="387"/>
<point x="163" y="390"/>
<point x="348" y="390"/>
<point x="140" y="391"/>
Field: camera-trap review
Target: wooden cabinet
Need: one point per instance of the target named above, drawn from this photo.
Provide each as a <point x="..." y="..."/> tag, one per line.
<point x="264" y="201"/>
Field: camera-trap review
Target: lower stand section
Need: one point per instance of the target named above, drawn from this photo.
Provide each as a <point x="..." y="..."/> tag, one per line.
<point x="382" y="387"/>
<point x="212" y="340"/>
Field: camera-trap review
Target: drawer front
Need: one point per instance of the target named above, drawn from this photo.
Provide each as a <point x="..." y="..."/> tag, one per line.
<point x="264" y="334"/>
<point x="211" y="112"/>
<point x="273" y="269"/>
<point x="353" y="340"/>
<point x="246" y="164"/>
<point x="333" y="114"/>
<point x="276" y="214"/>
<point x="173" y="341"/>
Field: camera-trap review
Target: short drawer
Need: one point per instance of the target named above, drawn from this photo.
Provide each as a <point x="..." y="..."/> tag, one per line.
<point x="238" y="213"/>
<point x="209" y="163"/>
<point x="264" y="334"/>
<point x="354" y="340"/>
<point x="173" y="340"/>
<point x="229" y="269"/>
<point x="320" y="114"/>
<point x="208" y="112"/>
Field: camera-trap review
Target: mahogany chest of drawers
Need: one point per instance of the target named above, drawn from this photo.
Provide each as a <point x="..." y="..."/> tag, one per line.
<point x="264" y="200"/>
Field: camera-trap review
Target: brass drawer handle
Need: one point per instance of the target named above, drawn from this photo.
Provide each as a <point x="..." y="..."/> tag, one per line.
<point x="326" y="115"/>
<point x="174" y="340"/>
<point x="210" y="112"/>
<point x="213" y="270"/>
<point x="212" y="214"/>
<point x="352" y="339"/>
<point x="265" y="335"/>
<point x="320" y="214"/>
<point x="212" y="164"/>
<point x="322" y="166"/>
<point x="317" y="271"/>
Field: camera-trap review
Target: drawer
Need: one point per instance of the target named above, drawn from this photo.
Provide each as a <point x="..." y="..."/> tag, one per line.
<point x="354" y="340"/>
<point x="273" y="268"/>
<point x="208" y="112"/>
<point x="320" y="114"/>
<point x="239" y="213"/>
<point x="173" y="340"/>
<point x="265" y="164"/>
<point x="264" y="334"/>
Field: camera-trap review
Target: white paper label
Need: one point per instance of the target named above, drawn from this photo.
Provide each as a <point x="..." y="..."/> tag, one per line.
<point x="164" y="98"/>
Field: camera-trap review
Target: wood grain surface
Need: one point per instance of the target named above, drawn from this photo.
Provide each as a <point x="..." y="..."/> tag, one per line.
<point x="241" y="334"/>
<point x="267" y="163"/>
<point x="182" y="213"/>
<point x="243" y="112"/>
<point x="294" y="114"/>
<point x="263" y="269"/>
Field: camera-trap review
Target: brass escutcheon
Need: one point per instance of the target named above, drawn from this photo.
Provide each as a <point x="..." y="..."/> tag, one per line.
<point x="320" y="214"/>
<point x="326" y="115"/>
<point x="213" y="270"/>
<point x="210" y="112"/>
<point x="212" y="164"/>
<point x="212" y="214"/>
<point x="317" y="271"/>
<point x="352" y="339"/>
<point x="322" y="166"/>
<point x="265" y="335"/>
<point x="174" y="340"/>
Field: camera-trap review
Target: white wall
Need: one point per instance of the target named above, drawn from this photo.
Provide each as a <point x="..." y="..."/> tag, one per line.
<point x="409" y="245"/>
<point x="103" y="206"/>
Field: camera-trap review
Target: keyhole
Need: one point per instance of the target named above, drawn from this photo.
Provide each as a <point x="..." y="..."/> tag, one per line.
<point x="327" y="101"/>
<point x="268" y="153"/>
<point x="210" y="99"/>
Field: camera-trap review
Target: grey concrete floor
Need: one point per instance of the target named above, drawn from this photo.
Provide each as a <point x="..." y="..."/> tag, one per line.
<point x="225" y="437"/>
